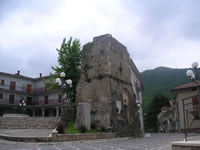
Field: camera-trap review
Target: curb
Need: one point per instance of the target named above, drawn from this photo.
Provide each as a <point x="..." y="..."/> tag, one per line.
<point x="54" y="137"/>
<point x="26" y="139"/>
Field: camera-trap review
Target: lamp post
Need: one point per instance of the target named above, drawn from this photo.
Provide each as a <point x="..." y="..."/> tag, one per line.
<point x="22" y="104"/>
<point x="140" y="113"/>
<point x="63" y="84"/>
<point x="192" y="74"/>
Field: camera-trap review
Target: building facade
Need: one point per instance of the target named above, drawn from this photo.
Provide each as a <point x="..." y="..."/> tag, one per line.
<point x="15" y="88"/>
<point x="186" y="97"/>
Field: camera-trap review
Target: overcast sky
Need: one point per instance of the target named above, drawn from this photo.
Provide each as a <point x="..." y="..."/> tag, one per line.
<point x="155" y="32"/>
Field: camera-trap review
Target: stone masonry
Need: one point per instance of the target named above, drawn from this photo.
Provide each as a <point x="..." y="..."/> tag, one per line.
<point x="28" y="122"/>
<point x="107" y="82"/>
<point x="83" y="117"/>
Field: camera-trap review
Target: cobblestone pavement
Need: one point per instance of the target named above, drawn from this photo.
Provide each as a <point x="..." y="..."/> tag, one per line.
<point x="160" y="141"/>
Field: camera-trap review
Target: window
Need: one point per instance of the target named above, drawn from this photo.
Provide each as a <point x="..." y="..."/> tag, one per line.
<point x="46" y="98"/>
<point x="11" y="99"/>
<point x="2" y="82"/>
<point x="29" y="100"/>
<point x="195" y="103"/>
<point x="59" y="98"/>
<point x="12" y="85"/>
<point x="28" y="88"/>
<point x="1" y="95"/>
<point x="46" y="87"/>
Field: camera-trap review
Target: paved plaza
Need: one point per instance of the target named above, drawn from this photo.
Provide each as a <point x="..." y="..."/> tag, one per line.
<point x="156" y="141"/>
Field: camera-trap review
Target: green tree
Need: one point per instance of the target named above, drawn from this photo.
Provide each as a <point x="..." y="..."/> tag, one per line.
<point x="69" y="60"/>
<point x="154" y="108"/>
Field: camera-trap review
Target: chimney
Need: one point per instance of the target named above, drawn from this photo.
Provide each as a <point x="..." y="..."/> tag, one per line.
<point x="18" y="72"/>
<point x="40" y="75"/>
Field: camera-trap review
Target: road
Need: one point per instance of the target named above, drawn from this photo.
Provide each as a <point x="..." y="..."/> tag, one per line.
<point x="160" y="141"/>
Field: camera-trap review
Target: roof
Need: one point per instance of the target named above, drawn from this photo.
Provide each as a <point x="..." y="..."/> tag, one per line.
<point x="186" y="86"/>
<point x="23" y="77"/>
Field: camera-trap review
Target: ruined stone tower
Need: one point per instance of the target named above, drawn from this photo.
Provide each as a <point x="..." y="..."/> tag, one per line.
<point x="111" y="83"/>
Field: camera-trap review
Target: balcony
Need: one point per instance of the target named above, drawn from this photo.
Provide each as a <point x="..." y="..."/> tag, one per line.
<point x="42" y="102"/>
<point x="14" y="88"/>
<point x="23" y="89"/>
<point x="139" y="86"/>
<point x="6" y="101"/>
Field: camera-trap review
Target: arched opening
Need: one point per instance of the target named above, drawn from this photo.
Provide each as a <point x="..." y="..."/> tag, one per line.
<point x="29" y="112"/>
<point x="1" y="111"/>
<point x="38" y="112"/>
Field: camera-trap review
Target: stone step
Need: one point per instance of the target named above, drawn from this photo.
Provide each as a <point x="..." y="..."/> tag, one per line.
<point x="28" y="122"/>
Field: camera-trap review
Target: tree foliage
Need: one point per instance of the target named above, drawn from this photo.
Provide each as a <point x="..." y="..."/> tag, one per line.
<point x="150" y="119"/>
<point x="69" y="60"/>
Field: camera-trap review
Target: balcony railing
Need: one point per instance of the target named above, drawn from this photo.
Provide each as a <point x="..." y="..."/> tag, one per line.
<point x="33" y="103"/>
<point x="24" y="89"/>
<point x="14" y="88"/>
<point x="42" y="102"/>
<point x="138" y="86"/>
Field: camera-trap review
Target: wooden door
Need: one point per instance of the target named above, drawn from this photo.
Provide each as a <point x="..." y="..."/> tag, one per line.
<point x="29" y="101"/>
<point x="28" y="88"/>
<point x="1" y="95"/>
<point x="12" y="85"/>
<point x="59" y="98"/>
<point x="46" y="99"/>
<point x="11" y="99"/>
<point x="2" y="82"/>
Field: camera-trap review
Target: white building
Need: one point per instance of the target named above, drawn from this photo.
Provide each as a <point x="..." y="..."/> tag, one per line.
<point x="15" y="88"/>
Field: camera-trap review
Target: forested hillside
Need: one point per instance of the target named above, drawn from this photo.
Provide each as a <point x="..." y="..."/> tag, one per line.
<point x="162" y="80"/>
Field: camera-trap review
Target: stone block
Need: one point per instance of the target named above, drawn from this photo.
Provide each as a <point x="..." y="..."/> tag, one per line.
<point x="83" y="116"/>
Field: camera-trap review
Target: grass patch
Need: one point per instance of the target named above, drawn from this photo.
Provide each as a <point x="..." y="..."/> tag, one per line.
<point x="71" y="130"/>
<point x="93" y="131"/>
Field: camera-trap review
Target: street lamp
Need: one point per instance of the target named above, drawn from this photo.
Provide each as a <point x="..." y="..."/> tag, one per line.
<point x="22" y="104"/>
<point x="192" y="74"/>
<point x="139" y="105"/>
<point x="63" y="85"/>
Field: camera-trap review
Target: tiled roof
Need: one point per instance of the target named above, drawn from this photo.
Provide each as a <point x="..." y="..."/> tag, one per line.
<point x="186" y="86"/>
<point x="23" y="77"/>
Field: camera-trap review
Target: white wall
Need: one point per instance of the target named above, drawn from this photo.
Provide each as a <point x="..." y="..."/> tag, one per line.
<point x="181" y="95"/>
<point x="20" y="83"/>
<point x="138" y="96"/>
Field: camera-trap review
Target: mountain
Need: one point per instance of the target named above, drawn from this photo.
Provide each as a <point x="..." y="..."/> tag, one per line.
<point x="162" y="80"/>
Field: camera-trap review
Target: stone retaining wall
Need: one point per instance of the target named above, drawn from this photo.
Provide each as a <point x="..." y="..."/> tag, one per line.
<point x="77" y="137"/>
<point x="55" y="137"/>
<point x="26" y="139"/>
<point x="28" y="122"/>
<point x="190" y="145"/>
<point x="185" y="148"/>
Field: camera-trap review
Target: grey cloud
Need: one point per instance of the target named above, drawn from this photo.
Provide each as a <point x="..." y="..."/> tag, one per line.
<point x="159" y="17"/>
<point x="45" y="7"/>
<point x="148" y="28"/>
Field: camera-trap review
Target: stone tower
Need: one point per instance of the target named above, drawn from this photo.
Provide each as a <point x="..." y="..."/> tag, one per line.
<point x="111" y="83"/>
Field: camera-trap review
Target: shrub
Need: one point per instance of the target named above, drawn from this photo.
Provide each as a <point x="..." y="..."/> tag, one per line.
<point x="83" y="129"/>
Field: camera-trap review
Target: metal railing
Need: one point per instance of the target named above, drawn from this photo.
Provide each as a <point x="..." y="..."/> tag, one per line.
<point x="24" y="89"/>
<point x="33" y="103"/>
<point x="13" y="88"/>
<point x="189" y="114"/>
